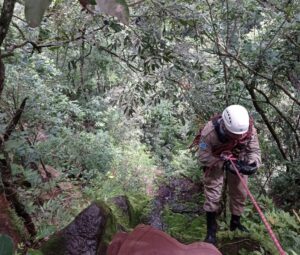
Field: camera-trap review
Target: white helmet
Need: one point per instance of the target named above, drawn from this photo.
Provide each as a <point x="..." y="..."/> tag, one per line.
<point x="236" y="119"/>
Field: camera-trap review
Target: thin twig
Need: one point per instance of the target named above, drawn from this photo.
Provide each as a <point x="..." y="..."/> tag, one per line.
<point x="280" y="113"/>
<point x="297" y="216"/>
<point x="233" y="243"/>
<point x="135" y="3"/>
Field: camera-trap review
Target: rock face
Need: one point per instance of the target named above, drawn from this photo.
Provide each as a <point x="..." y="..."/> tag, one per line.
<point x="147" y="240"/>
<point x="125" y="208"/>
<point x="175" y="194"/>
<point x="123" y="203"/>
<point x="88" y="234"/>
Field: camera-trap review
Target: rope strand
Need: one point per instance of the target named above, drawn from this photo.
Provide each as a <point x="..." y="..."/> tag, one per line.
<point x="268" y="227"/>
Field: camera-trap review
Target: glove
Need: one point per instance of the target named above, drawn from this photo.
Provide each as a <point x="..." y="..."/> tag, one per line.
<point x="243" y="167"/>
<point x="229" y="167"/>
<point x="246" y="168"/>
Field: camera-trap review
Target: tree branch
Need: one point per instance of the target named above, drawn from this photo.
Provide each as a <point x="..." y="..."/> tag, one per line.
<point x="271" y="5"/>
<point x="256" y="73"/>
<point x="39" y="47"/>
<point x="13" y="123"/>
<point x="135" y="3"/>
<point x="7" y="178"/>
<point x="11" y="195"/>
<point x="19" y="29"/>
<point x="222" y="50"/>
<point x="280" y="113"/>
<point x="123" y="59"/>
<point x="2" y="74"/>
<point x="266" y="120"/>
<point x="292" y="41"/>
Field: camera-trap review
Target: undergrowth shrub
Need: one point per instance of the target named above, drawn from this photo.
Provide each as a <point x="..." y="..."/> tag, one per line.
<point x="284" y="225"/>
<point x="78" y="154"/>
<point x="184" y="163"/>
<point x="285" y="189"/>
<point x="164" y="132"/>
<point x="132" y="170"/>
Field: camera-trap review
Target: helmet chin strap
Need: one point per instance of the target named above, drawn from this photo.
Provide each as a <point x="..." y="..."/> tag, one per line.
<point x="222" y="127"/>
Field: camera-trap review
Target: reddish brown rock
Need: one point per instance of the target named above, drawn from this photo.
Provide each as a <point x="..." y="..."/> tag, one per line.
<point x="146" y="240"/>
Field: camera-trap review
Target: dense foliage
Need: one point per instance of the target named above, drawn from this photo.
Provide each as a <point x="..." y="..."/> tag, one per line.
<point x="112" y="103"/>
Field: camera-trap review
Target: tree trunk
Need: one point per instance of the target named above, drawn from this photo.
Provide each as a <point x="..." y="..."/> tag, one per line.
<point x="5" y="19"/>
<point x="9" y="189"/>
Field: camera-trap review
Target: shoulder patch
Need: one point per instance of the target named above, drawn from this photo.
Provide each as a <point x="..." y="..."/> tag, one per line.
<point x="202" y="145"/>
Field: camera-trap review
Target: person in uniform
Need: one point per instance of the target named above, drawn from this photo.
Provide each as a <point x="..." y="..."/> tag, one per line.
<point x="230" y="134"/>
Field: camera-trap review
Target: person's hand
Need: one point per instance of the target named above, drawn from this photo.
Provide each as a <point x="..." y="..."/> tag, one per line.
<point x="242" y="166"/>
<point x="229" y="167"/>
<point x="246" y="168"/>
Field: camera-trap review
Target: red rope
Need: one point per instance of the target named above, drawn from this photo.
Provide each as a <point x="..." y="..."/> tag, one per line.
<point x="268" y="227"/>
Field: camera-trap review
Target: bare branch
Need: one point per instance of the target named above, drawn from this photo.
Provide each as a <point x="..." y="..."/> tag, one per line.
<point x="2" y="74"/>
<point x="265" y="119"/>
<point x="13" y="123"/>
<point x="280" y="113"/>
<point x="263" y="76"/>
<point x="136" y="3"/>
<point x="121" y="58"/>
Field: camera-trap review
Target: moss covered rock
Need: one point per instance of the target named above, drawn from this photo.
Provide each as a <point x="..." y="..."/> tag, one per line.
<point x="89" y="233"/>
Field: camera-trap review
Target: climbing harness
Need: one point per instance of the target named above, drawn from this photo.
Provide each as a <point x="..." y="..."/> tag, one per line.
<point x="268" y="227"/>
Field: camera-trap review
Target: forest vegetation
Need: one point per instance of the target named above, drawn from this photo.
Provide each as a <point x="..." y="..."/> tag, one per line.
<point x="100" y="99"/>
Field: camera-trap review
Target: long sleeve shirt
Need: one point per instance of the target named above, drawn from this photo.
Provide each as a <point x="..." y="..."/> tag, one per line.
<point x="210" y="143"/>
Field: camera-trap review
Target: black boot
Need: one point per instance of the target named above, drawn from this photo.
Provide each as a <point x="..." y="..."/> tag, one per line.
<point x="211" y="228"/>
<point x="236" y="224"/>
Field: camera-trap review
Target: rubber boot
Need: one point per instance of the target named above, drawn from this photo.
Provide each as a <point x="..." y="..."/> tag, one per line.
<point x="211" y="228"/>
<point x="235" y="224"/>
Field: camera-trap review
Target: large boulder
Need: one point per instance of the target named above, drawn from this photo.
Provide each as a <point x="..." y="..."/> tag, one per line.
<point x="89" y="233"/>
<point x="178" y="194"/>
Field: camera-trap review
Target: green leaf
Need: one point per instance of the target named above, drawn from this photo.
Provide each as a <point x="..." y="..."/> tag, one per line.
<point x="34" y="252"/>
<point x="12" y="145"/>
<point x="116" y="27"/>
<point x="16" y="169"/>
<point x="6" y="245"/>
<point x="45" y="230"/>
<point x="34" y="11"/>
<point x="116" y="8"/>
